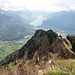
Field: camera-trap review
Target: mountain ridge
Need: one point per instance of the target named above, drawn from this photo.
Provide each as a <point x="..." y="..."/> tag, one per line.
<point x="35" y="56"/>
<point x="63" y="20"/>
<point x="45" y="42"/>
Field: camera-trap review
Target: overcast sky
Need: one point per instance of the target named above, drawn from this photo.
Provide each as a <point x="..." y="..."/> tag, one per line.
<point x="48" y="5"/>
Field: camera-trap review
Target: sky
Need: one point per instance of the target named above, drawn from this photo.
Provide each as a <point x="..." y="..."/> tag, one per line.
<point x="48" y="5"/>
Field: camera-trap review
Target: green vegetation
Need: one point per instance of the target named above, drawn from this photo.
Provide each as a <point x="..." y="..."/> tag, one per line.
<point x="54" y="72"/>
<point x="52" y="36"/>
<point x="72" y="40"/>
<point x="7" y="47"/>
<point x="66" y="66"/>
<point x="62" y="67"/>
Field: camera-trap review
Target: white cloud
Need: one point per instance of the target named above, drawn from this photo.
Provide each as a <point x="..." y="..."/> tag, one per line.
<point x="49" y="5"/>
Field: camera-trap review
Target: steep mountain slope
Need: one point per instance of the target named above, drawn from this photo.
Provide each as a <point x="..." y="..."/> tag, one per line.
<point x="13" y="27"/>
<point x="64" y="21"/>
<point x="34" y="56"/>
<point x="37" y="42"/>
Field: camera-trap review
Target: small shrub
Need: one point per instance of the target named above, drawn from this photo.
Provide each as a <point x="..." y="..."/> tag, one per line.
<point x="45" y="58"/>
<point x="72" y="40"/>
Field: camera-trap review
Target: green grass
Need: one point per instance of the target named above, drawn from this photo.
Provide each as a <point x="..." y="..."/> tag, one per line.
<point x="62" y="67"/>
<point x="7" y="47"/>
<point x="54" y="72"/>
<point x="65" y="65"/>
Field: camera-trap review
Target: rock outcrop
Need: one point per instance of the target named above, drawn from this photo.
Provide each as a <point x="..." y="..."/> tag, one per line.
<point x="63" y="48"/>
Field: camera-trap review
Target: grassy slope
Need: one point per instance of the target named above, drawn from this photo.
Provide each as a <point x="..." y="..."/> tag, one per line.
<point x="62" y="67"/>
<point x="7" y="47"/>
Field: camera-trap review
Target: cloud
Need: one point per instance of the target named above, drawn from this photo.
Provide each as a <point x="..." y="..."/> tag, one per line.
<point x="4" y="4"/>
<point x="48" y="5"/>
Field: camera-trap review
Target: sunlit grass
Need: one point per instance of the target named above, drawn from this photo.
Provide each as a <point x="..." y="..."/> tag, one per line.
<point x="55" y="72"/>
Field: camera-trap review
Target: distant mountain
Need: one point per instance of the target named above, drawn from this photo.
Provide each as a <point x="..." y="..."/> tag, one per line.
<point x="12" y="26"/>
<point x="26" y="14"/>
<point x="39" y="13"/>
<point x="64" y="21"/>
<point x="15" y="15"/>
<point x="43" y="47"/>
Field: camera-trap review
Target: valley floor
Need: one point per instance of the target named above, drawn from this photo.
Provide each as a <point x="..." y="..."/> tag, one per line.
<point x="7" y="47"/>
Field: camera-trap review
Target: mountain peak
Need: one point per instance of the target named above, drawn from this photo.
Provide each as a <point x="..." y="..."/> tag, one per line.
<point x="40" y="32"/>
<point x="42" y="43"/>
<point x="43" y="47"/>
